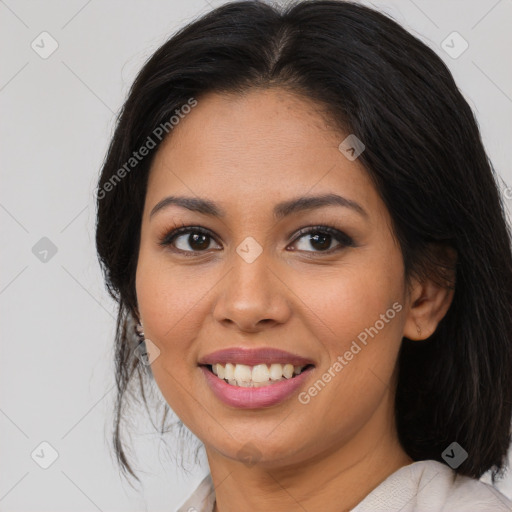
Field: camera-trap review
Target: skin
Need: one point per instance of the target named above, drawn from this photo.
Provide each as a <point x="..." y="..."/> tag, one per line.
<point x="248" y="153"/>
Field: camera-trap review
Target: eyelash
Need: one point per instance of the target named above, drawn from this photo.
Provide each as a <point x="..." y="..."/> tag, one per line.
<point x="343" y="239"/>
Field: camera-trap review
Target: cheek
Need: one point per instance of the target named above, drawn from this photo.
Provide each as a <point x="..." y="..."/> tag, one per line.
<point x="168" y="305"/>
<point x="352" y="297"/>
<point x="361" y="348"/>
<point x="359" y="318"/>
<point x="168" y="300"/>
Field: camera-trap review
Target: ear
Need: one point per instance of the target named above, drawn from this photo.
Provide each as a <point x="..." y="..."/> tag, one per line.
<point x="430" y="300"/>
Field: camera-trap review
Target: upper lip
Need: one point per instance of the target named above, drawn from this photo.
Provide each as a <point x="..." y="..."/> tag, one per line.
<point x="253" y="356"/>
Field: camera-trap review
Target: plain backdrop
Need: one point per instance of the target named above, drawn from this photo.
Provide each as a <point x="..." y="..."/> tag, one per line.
<point x="56" y="369"/>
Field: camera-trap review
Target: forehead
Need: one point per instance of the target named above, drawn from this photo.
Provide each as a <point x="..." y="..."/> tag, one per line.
<point x="263" y="146"/>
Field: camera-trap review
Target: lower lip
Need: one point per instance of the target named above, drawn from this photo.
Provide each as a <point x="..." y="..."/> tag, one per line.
<point x="253" y="398"/>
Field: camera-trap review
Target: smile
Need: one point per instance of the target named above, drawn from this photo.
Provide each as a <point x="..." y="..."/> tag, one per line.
<point x="245" y="394"/>
<point x="260" y="375"/>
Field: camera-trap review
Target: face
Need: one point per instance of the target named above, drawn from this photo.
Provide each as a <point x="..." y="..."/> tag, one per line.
<point x="321" y="281"/>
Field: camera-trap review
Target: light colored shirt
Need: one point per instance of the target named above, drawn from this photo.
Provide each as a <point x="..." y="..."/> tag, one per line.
<point x="423" y="486"/>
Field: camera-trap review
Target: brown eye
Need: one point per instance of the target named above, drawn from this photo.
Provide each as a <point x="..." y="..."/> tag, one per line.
<point x="321" y="242"/>
<point x="321" y="238"/>
<point x="188" y="240"/>
<point x="197" y="241"/>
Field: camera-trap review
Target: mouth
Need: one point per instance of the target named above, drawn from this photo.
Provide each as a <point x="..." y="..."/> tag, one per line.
<point x="252" y="378"/>
<point x="259" y="375"/>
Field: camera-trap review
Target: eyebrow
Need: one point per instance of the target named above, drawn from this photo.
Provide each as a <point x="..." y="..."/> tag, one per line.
<point x="281" y="210"/>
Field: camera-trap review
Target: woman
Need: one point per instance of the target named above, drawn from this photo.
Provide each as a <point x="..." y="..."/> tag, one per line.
<point x="297" y="214"/>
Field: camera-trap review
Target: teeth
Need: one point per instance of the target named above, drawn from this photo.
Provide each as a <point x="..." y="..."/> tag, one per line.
<point x="229" y="371"/>
<point x="276" y="371"/>
<point x="243" y="373"/>
<point x="288" y="371"/>
<point x="255" y="376"/>
<point x="260" y="373"/>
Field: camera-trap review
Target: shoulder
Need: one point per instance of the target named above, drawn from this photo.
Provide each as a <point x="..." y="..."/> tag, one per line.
<point x="424" y="486"/>
<point x="430" y="486"/>
<point x="202" y="499"/>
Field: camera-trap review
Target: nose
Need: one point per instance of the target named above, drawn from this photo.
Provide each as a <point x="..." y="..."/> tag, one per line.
<point x="252" y="297"/>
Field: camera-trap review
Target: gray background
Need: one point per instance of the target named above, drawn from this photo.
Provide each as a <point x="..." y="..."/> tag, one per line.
<point x="56" y="376"/>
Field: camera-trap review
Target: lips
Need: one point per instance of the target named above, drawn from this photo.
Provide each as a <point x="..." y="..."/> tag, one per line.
<point x="266" y="394"/>
<point x="253" y="356"/>
<point x="255" y="397"/>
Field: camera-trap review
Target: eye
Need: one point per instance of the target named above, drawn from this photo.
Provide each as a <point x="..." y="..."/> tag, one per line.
<point x="188" y="239"/>
<point x="191" y="240"/>
<point x="321" y="239"/>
